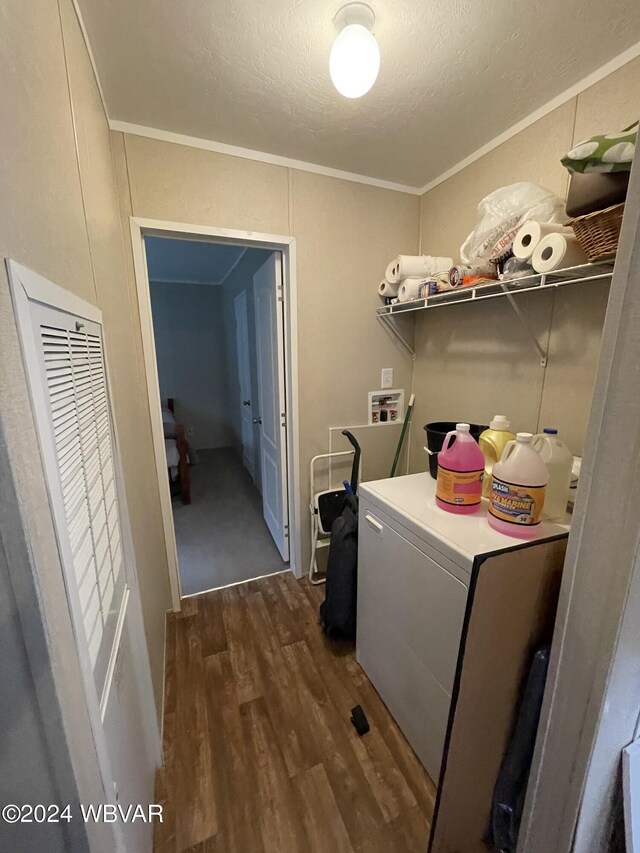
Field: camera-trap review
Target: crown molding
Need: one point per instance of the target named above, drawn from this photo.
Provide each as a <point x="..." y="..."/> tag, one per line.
<point x="219" y="283"/>
<point x="260" y="156"/>
<point x="92" y="60"/>
<point x="182" y="281"/>
<point x="573" y="91"/>
<point x="234" y="265"/>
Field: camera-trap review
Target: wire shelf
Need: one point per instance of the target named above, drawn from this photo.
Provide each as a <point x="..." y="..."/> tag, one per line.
<point x="538" y="281"/>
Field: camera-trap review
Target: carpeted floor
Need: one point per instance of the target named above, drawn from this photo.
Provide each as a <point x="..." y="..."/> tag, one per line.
<point x="222" y="537"/>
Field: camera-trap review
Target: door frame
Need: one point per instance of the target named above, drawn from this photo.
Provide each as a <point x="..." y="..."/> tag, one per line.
<point x="142" y="227"/>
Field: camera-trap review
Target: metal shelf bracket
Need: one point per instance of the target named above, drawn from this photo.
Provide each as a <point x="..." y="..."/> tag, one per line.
<point x="388" y="323"/>
<point x="526" y="325"/>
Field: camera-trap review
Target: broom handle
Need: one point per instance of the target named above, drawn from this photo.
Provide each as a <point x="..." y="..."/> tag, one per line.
<point x="407" y="420"/>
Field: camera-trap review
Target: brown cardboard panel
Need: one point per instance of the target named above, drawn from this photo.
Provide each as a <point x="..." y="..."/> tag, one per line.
<point x="511" y="614"/>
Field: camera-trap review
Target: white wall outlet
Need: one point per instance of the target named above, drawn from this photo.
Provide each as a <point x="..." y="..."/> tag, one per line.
<point x="386" y="377"/>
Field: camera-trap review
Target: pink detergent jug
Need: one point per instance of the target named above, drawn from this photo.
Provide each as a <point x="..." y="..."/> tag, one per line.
<point x="460" y="472"/>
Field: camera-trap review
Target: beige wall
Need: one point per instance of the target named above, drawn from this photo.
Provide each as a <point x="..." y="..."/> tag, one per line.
<point x="60" y="217"/>
<point x="41" y="224"/>
<point x="115" y="295"/>
<point x="345" y="235"/>
<point x="475" y="361"/>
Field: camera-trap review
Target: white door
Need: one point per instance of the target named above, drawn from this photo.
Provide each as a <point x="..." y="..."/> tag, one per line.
<point x="244" y="381"/>
<point x="271" y="413"/>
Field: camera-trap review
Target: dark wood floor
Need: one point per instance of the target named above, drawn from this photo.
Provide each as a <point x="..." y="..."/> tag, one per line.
<point x="260" y="754"/>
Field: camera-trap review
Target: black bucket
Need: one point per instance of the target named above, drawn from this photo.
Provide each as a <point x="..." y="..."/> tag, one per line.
<point x="436" y="433"/>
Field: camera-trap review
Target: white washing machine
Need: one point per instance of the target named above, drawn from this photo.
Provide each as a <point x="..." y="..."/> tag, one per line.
<point x="415" y="567"/>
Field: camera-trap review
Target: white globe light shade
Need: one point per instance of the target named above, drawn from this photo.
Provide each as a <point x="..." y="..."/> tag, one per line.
<point x="354" y="61"/>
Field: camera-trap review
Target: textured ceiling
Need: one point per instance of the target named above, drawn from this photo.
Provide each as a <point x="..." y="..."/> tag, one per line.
<point x="190" y="261"/>
<point x="454" y="73"/>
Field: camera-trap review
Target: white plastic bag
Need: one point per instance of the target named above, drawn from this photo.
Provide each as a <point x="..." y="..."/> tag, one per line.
<point x="502" y="213"/>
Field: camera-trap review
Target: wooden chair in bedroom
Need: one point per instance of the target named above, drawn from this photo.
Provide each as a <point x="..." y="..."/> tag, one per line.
<point x="183" y="454"/>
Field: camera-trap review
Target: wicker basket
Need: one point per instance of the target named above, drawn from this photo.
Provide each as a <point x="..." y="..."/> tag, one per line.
<point x="599" y="232"/>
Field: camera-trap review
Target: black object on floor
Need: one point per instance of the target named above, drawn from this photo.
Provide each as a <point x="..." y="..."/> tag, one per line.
<point x="359" y="720"/>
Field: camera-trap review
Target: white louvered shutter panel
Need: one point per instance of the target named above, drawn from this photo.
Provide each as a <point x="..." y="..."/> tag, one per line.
<point x="75" y="382"/>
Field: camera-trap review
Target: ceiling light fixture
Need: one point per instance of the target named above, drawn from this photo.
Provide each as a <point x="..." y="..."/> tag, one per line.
<point x="355" y="56"/>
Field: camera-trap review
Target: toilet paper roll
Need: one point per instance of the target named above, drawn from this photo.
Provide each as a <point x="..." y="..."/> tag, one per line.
<point x="557" y="251"/>
<point x="409" y="266"/>
<point x="409" y="289"/>
<point x="531" y="234"/>
<point x="386" y="289"/>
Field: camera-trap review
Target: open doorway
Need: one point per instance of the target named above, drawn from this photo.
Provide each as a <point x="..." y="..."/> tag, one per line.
<point x="218" y="325"/>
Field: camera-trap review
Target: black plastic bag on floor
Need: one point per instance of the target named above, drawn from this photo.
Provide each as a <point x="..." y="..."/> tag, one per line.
<point x="338" y="610"/>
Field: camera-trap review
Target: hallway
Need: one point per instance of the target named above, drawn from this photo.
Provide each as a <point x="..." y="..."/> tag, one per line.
<point x="221" y="536"/>
<point x="260" y="754"/>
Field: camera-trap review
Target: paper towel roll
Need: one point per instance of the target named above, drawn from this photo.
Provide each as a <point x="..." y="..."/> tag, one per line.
<point x="409" y="289"/>
<point x="386" y="289"/>
<point x="409" y="266"/>
<point x="557" y="251"/>
<point x="533" y="233"/>
<point x="440" y="265"/>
